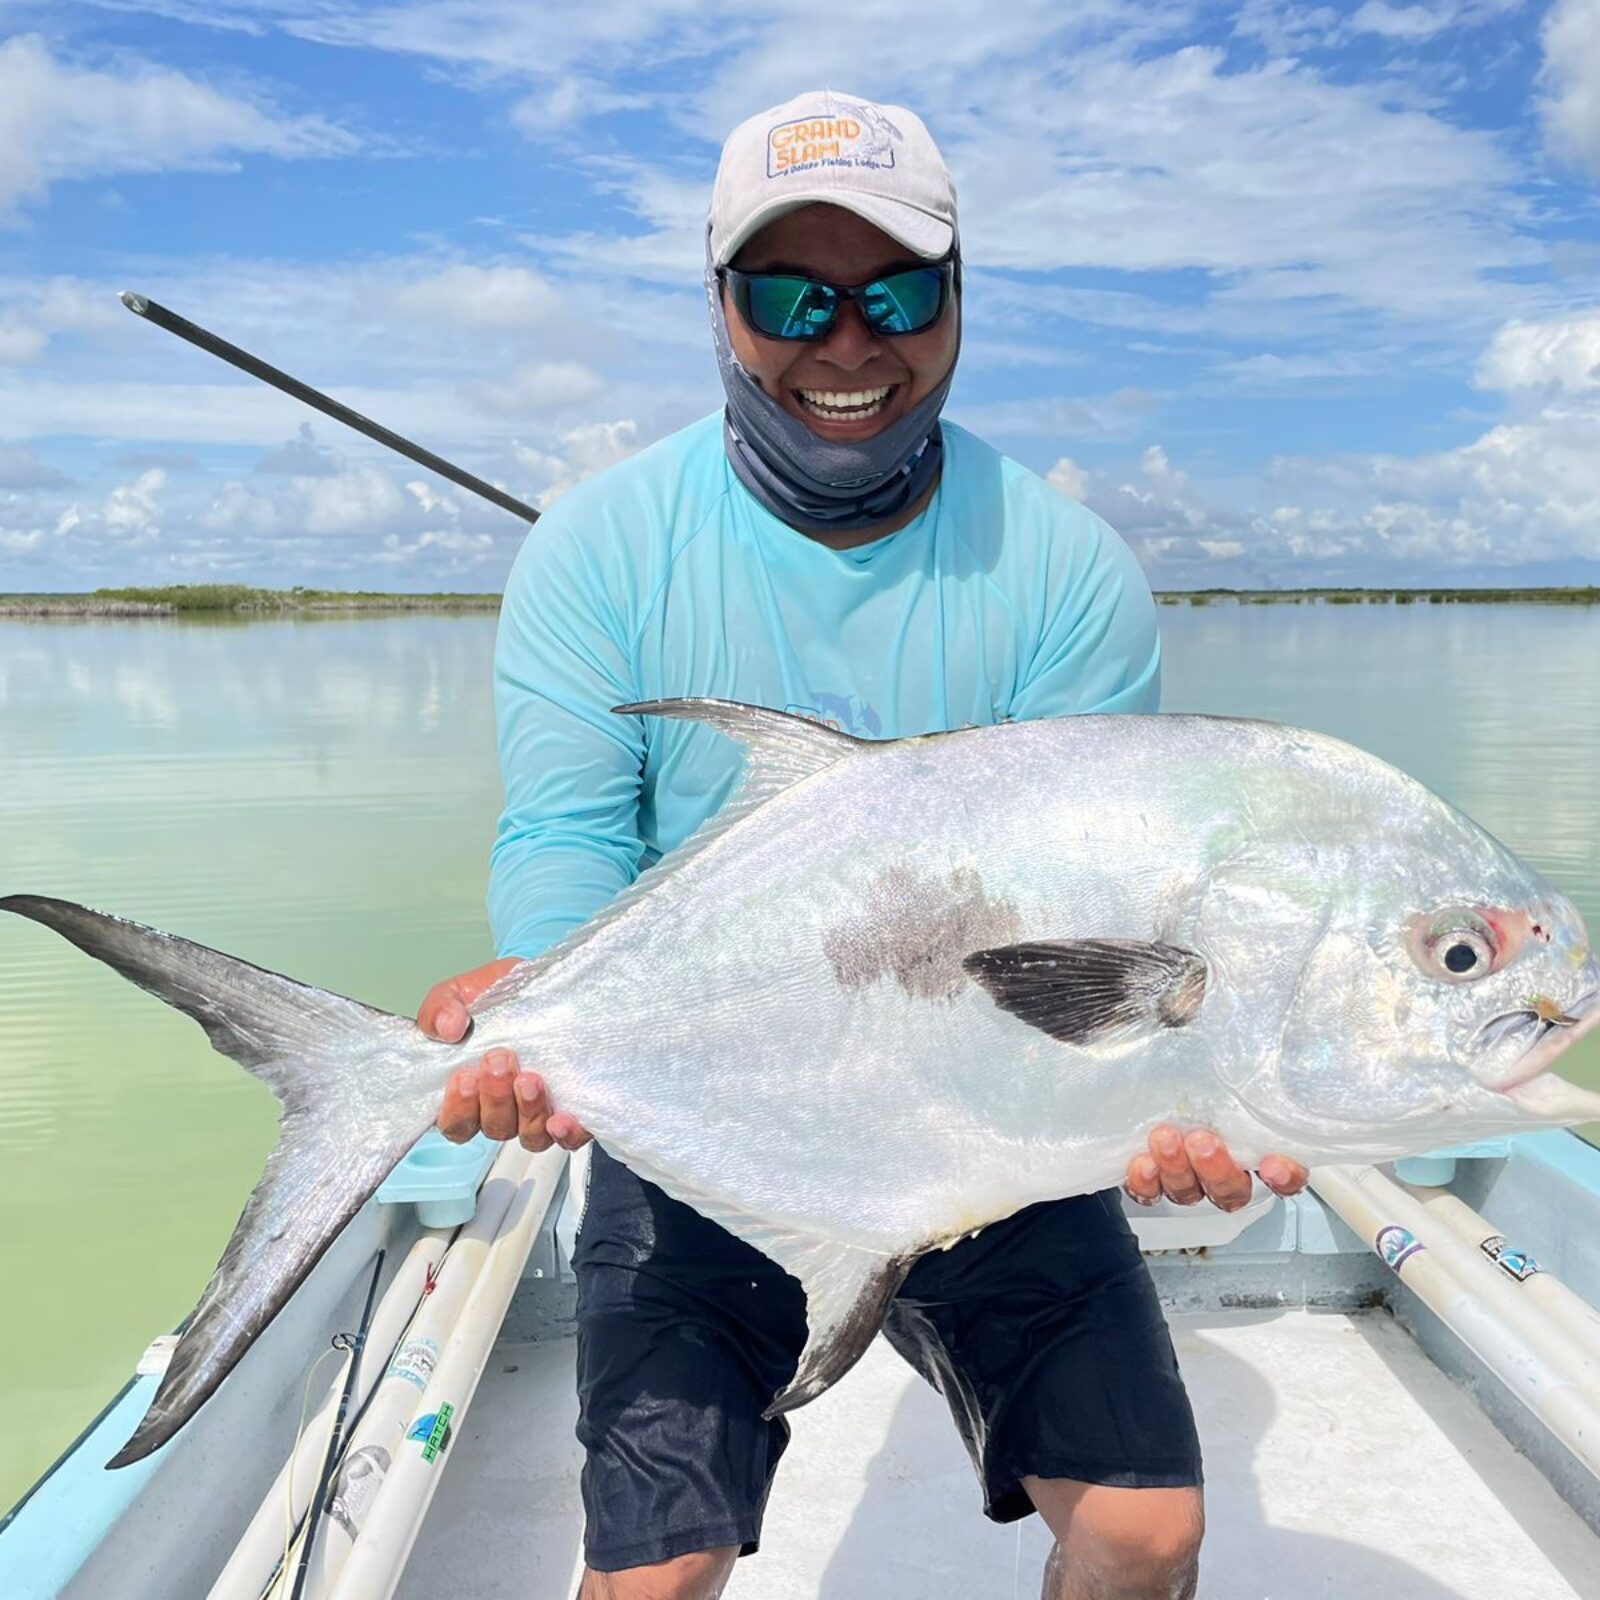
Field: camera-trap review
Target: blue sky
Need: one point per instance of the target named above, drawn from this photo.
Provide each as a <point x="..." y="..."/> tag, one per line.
<point x="1290" y="293"/>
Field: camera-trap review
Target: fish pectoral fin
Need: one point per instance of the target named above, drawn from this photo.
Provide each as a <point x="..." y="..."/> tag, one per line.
<point x="1093" y="991"/>
<point x="848" y="1290"/>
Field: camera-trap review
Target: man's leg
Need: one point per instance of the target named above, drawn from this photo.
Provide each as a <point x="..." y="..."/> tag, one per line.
<point x="700" y="1576"/>
<point x="684" y="1336"/>
<point x="1046" y="1338"/>
<point x="1119" y="1544"/>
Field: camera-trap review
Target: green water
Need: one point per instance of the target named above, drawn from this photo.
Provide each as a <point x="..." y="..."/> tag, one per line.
<point x="318" y="796"/>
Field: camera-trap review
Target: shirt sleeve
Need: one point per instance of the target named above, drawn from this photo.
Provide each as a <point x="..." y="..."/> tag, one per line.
<point x="568" y="838"/>
<point x="1098" y="648"/>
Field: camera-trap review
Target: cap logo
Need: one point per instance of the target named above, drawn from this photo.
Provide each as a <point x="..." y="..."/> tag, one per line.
<point x="865" y="139"/>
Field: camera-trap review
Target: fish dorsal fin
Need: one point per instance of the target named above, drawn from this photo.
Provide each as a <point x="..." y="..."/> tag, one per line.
<point x="781" y="748"/>
<point x="1093" y="991"/>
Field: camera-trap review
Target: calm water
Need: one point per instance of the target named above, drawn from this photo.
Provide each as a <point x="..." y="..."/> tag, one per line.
<point x="318" y="797"/>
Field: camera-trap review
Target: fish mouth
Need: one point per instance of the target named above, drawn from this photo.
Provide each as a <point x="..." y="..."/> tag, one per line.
<point x="1530" y="1084"/>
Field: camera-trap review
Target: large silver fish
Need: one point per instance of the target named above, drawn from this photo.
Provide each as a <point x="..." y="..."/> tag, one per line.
<point x="895" y="991"/>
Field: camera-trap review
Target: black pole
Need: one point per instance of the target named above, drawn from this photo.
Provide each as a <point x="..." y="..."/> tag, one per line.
<point x="336" y="1439"/>
<point x="203" y="339"/>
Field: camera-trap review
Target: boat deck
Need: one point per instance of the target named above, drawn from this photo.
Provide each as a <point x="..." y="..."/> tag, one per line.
<point x="1340" y="1462"/>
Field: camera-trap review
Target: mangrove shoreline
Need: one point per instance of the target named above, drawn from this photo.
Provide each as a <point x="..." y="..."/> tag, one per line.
<point x="239" y="600"/>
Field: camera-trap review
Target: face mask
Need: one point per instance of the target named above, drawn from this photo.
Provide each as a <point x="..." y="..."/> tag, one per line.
<point x="809" y="482"/>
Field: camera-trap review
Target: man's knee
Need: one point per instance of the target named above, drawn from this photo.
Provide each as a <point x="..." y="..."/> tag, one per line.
<point x="699" y="1576"/>
<point x="1123" y="1544"/>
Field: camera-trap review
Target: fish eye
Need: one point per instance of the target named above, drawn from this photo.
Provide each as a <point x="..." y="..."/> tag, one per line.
<point x="1460" y="954"/>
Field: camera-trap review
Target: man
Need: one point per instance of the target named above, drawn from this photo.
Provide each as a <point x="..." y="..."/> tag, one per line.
<point x="825" y="546"/>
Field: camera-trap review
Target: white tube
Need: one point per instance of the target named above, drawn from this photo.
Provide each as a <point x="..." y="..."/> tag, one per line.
<point x="260" y="1549"/>
<point x="377" y="1437"/>
<point x="1479" y="1304"/>
<point x="374" y="1567"/>
<point x="1567" y="1308"/>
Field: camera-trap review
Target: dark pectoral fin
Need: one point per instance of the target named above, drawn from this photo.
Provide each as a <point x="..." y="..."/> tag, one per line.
<point x="1093" y="991"/>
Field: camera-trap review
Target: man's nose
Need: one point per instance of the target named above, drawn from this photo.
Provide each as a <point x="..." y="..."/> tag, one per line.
<point x="850" y="342"/>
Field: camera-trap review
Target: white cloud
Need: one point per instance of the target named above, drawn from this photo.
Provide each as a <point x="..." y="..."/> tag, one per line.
<point x="1562" y="354"/>
<point x="500" y="299"/>
<point x="1570" y="78"/>
<point x="579" y="454"/>
<point x="537" y="386"/>
<point x="1067" y="476"/>
<point x="59" y="120"/>
<point x="131" y="513"/>
<point x="18" y="345"/>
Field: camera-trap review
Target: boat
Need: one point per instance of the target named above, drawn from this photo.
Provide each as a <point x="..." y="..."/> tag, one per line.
<point x="1396" y="1376"/>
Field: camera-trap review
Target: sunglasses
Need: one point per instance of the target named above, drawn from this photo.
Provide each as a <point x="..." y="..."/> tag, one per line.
<point x="784" y="305"/>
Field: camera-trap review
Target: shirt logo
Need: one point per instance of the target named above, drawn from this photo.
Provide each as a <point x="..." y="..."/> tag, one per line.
<point x="849" y="713"/>
<point x="861" y="136"/>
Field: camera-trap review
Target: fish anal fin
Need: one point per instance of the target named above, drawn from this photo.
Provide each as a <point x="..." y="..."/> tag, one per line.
<point x="848" y="1290"/>
<point x="1093" y="991"/>
<point x="848" y="1287"/>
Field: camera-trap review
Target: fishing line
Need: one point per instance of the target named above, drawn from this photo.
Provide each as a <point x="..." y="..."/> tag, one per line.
<point x="290" y="1527"/>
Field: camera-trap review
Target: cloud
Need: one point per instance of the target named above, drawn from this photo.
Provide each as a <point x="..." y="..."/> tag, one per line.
<point x="1557" y="355"/>
<point x="537" y="386"/>
<point x="1570" y="78"/>
<point x="1067" y="476"/>
<point x="18" y="345"/>
<point x="59" y="120"/>
<point x="500" y="299"/>
<point x="131" y="513"/>
<point x="579" y="454"/>
<point x="21" y="468"/>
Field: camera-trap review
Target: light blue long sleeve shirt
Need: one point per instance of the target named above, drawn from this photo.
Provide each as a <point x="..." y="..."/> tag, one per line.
<point x="664" y="577"/>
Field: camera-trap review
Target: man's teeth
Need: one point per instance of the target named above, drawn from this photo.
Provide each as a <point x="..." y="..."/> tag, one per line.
<point x="844" y="405"/>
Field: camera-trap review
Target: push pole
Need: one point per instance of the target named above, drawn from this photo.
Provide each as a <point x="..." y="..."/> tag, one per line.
<point x="203" y="339"/>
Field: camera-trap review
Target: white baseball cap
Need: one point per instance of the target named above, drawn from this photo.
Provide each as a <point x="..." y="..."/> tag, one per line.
<point x="877" y="161"/>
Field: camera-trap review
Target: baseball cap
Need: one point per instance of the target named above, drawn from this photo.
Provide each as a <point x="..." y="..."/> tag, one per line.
<point x="878" y="161"/>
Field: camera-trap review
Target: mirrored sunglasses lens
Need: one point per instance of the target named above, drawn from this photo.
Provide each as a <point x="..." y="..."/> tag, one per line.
<point x="789" y="308"/>
<point x="905" y="302"/>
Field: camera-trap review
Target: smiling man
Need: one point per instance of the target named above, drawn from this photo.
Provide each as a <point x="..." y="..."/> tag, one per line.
<point x="827" y="545"/>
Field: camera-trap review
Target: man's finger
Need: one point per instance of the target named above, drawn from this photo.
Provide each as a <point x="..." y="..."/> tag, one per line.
<point x="1283" y="1176"/>
<point x="1226" y="1183"/>
<point x="567" y="1131"/>
<point x="533" y="1107"/>
<point x="1143" y="1182"/>
<point x="497" y="1106"/>
<point x="443" y="1013"/>
<point x="1178" y="1179"/>
<point x="458" y="1115"/>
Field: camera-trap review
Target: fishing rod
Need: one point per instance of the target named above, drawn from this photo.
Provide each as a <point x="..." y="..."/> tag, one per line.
<point x="203" y="339"/>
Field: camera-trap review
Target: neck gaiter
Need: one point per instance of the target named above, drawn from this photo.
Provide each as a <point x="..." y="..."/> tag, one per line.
<point x="809" y="482"/>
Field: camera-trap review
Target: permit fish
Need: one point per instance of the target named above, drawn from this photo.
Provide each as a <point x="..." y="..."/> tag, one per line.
<point x="895" y="991"/>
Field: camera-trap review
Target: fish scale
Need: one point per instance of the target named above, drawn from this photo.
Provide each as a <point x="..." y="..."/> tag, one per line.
<point x="893" y="992"/>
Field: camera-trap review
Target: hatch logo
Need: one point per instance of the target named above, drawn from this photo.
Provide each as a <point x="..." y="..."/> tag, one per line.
<point x="433" y="1431"/>
<point x="860" y="136"/>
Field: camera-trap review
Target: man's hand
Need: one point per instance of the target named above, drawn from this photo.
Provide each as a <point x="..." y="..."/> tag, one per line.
<point x="1193" y="1166"/>
<point x="492" y="1095"/>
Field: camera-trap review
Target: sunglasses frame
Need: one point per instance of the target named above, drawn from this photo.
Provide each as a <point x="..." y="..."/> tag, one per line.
<point x="948" y="268"/>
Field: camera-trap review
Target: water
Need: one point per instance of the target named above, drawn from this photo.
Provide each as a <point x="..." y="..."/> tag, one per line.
<point x="318" y="796"/>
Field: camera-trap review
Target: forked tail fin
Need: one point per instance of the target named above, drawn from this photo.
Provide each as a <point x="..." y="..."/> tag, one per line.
<point x="345" y="1124"/>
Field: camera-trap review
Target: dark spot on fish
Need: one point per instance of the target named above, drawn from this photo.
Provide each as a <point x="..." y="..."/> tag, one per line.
<point x="918" y="930"/>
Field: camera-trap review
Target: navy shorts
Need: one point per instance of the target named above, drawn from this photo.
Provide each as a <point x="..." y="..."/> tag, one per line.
<point x="1043" y="1332"/>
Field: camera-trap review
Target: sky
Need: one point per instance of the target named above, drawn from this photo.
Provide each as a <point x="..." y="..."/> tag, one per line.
<point x="1291" y="294"/>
